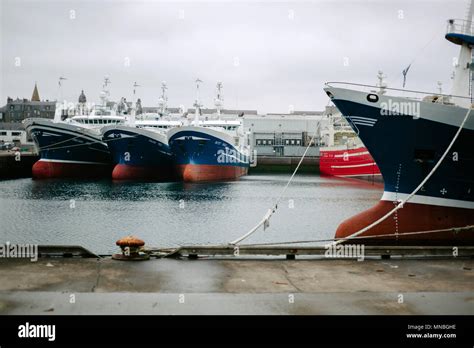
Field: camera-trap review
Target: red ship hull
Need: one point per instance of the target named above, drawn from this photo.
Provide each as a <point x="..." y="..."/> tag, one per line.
<point x="51" y="169"/>
<point x="347" y="163"/>
<point x="414" y="224"/>
<point x="137" y="172"/>
<point x="205" y="172"/>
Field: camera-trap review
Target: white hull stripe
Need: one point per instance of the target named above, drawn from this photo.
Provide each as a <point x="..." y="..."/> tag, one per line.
<point x="353" y="154"/>
<point x="355" y="165"/>
<point x="88" y="137"/>
<point x="153" y="134"/>
<point x="363" y="124"/>
<point x="68" y="161"/>
<point x="359" y="175"/>
<point x="224" y="136"/>
<point x="443" y="202"/>
<point x="191" y="137"/>
<point x="50" y="134"/>
<point x="363" y="119"/>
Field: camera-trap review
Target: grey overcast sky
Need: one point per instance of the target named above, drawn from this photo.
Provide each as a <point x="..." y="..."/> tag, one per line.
<point x="268" y="54"/>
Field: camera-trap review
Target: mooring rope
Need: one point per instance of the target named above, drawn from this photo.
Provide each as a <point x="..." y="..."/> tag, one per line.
<point x="168" y="252"/>
<point x="400" y="203"/>
<point x="266" y="218"/>
<point x="270" y="212"/>
<point x="452" y="229"/>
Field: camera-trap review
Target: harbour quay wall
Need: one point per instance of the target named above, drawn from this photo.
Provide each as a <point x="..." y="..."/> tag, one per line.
<point x="284" y="164"/>
<point x="16" y="165"/>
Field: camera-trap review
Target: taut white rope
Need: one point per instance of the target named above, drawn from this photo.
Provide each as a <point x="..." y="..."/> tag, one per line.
<point x="266" y="219"/>
<point x="402" y="202"/>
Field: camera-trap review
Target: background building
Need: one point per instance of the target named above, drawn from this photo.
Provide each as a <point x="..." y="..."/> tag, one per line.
<point x="284" y="135"/>
<point x="16" y="110"/>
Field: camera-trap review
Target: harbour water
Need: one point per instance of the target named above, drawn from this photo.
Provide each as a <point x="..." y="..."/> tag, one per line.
<point x="95" y="214"/>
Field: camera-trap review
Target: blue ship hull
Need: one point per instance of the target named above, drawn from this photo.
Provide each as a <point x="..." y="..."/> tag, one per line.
<point x="203" y="154"/>
<point x="406" y="147"/>
<point x="68" y="151"/>
<point x="409" y="150"/>
<point x="139" y="154"/>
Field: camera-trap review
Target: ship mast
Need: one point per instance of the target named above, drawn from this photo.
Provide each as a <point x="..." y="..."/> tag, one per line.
<point x="460" y="33"/>
<point x="219" y="100"/>
<point x="104" y="95"/>
<point x="163" y="99"/>
<point x="197" y="104"/>
<point x="59" y="106"/>
<point x="381" y="84"/>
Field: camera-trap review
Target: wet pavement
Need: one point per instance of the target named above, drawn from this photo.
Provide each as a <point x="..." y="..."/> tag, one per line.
<point x="233" y="286"/>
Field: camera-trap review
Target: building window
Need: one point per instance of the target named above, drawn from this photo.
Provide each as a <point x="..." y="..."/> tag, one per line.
<point x="12" y="107"/>
<point x="264" y="142"/>
<point x="16" y="134"/>
<point x="3" y="133"/>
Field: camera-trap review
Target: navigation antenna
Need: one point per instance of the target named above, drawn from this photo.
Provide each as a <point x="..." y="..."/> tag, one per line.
<point x="440" y="88"/>
<point x="106" y="82"/>
<point x="60" y="84"/>
<point x="135" y="85"/>
<point x="59" y="107"/>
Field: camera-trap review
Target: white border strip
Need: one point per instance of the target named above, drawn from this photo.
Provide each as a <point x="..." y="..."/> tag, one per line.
<point x="443" y="202"/>
<point x="360" y="123"/>
<point x="351" y="154"/>
<point x="68" y="161"/>
<point x="356" y="165"/>
<point x="358" y="175"/>
<point x="364" y="119"/>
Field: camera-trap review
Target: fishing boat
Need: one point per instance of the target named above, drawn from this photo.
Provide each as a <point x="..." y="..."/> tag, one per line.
<point x="72" y="146"/>
<point x="423" y="144"/>
<point x="140" y="148"/>
<point x="212" y="149"/>
<point x="342" y="153"/>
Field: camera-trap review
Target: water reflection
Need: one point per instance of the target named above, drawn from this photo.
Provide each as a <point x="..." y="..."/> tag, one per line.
<point x="173" y="213"/>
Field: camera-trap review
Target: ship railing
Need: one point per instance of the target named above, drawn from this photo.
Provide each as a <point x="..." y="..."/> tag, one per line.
<point x="432" y="97"/>
<point x="460" y="26"/>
